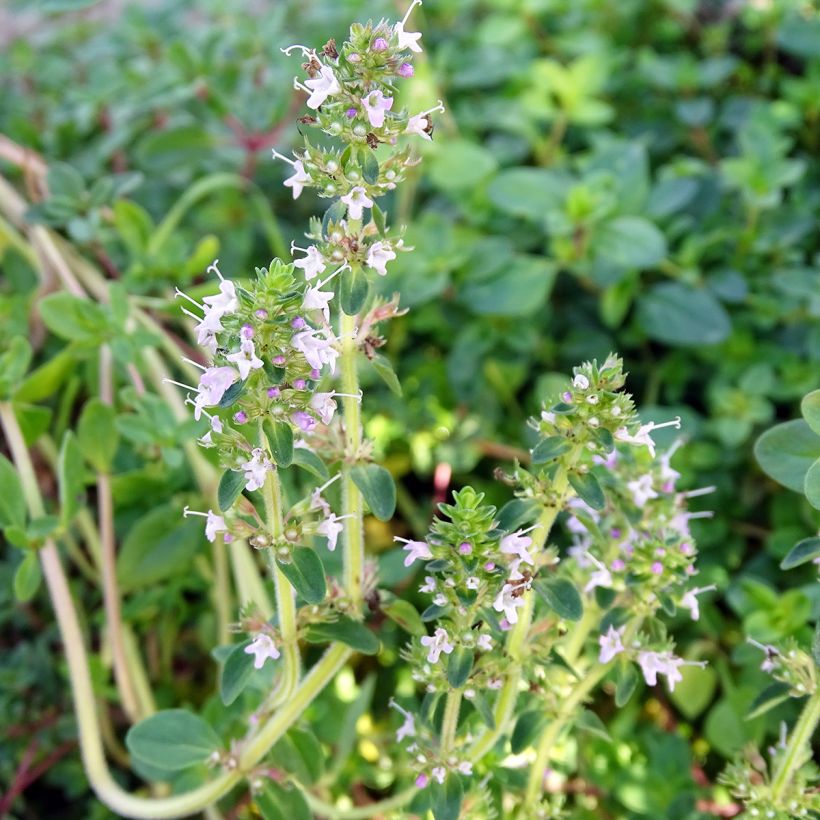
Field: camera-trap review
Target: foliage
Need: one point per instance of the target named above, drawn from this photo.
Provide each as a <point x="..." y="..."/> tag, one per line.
<point x="633" y="176"/>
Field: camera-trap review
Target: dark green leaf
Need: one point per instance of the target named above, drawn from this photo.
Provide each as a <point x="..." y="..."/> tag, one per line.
<point x="810" y="408"/>
<point x="235" y="673"/>
<point x="405" y="615"/>
<point x="353" y="633"/>
<point x="562" y="597"/>
<point x="172" y="740"/>
<point x="308" y="460"/>
<point x="353" y="290"/>
<point x="527" y="729"/>
<point x="280" y="439"/>
<point x="459" y="666"/>
<point x="306" y="574"/>
<point x="679" y="314"/>
<point x="333" y="215"/>
<point x="549" y="448"/>
<point x="370" y="167"/>
<point x="516" y="513"/>
<point x="588" y="489"/>
<point x="232" y="394"/>
<point x="446" y="798"/>
<point x="376" y="485"/>
<point x="773" y="695"/>
<point x="230" y="487"/>
<point x="803" y="551"/>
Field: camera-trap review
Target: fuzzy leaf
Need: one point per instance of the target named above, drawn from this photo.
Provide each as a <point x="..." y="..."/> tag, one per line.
<point x="172" y="740"/>
<point x="588" y="489"/>
<point x="376" y="485"/>
<point x="280" y="439"/>
<point x="306" y="574"/>
<point x="347" y="631"/>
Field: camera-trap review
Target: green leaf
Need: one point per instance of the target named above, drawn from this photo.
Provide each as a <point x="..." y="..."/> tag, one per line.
<point x="516" y="513"/>
<point x="810" y="408"/>
<point x="773" y="695"/>
<point x="134" y="226"/>
<point x="63" y="180"/>
<point x="549" y="448"/>
<point x="306" y="574"/>
<point x="14" y="363"/>
<point x="527" y="729"/>
<point x="44" y="381"/>
<point x="376" y="485"/>
<point x="483" y="708"/>
<point x="459" y="164"/>
<point x="353" y="290"/>
<point x="347" y="631"/>
<point x="235" y="673"/>
<point x="459" y="666"/>
<point x="159" y="545"/>
<point x="278" y="802"/>
<point x="280" y="439"/>
<point x="70" y="475"/>
<point x="588" y="489"/>
<point x="299" y="753"/>
<point x="232" y="394"/>
<point x="172" y="740"/>
<point x="786" y="451"/>
<point x="518" y="287"/>
<point x="446" y="798"/>
<point x="405" y="615"/>
<point x="562" y="597"/>
<point x="384" y="368"/>
<point x="27" y="578"/>
<point x="308" y="460"/>
<point x="629" y="242"/>
<point x="695" y="691"/>
<point x="681" y="315"/>
<point x="73" y="318"/>
<point x="626" y="679"/>
<point x="811" y="485"/>
<point x="97" y="434"/>
<point x="589" y="722"/>
<point x="802" y="552"/>
<point x="528" y="192"/>
<point x="230" y="487"/>
<point x="12" y="500"/>
<point x="370" y="166"/>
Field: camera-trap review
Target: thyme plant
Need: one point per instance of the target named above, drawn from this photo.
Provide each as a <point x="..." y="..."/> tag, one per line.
<point x="533" y="608"/>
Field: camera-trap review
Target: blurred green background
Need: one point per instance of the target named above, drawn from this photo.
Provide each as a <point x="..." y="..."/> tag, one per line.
<point x="637" y="176"/>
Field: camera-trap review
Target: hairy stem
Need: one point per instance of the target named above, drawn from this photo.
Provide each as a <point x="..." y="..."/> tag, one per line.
<point x="516" y="640"/>
<point x="580" y="690"/>
<point x="88" y="725"/>
<point x="351" y="497"/>
<point x="322" y="809"/>
<point x="798" y="748"/>
<point x="449" y="723"/>
<point x="285" y="602"/>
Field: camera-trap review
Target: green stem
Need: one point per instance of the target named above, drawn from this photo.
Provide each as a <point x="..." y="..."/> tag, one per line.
<point x="579" y="693"/>
<point x="516" y="640"/>
<point x="88" y="725"/>
<point x="797" y="747"/>
<point x="449" y="723"/>
<point x="351" y="497"/>
<point x="322" y="809"/>
<point x="285" y="601"/>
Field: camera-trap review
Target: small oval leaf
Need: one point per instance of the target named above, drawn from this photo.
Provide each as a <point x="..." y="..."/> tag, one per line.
<point x="376" y="485"/>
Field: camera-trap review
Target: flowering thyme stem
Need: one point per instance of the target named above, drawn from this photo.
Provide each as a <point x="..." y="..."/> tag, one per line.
<point x="579" y="692"/>
<point x="351" y="497"/>
<point x="798" y="745"/>
<point x="285" y="603"/>
<point x="518" y="635"/>
<point x="449" y="722"/>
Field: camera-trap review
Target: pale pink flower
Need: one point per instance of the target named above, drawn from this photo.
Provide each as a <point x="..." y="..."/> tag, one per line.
<point x="262" y="648"/>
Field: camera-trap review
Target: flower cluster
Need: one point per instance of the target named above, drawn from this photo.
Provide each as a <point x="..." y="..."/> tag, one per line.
<point x="352" y="92"/>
